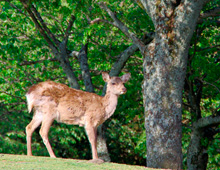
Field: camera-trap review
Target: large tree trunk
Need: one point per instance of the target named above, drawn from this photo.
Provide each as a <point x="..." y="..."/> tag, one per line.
<point x="164" y="67"/>
<point x="163" y="84"/>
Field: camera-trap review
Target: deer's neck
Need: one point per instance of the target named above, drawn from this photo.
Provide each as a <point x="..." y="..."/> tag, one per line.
<point x="110" y="102"/>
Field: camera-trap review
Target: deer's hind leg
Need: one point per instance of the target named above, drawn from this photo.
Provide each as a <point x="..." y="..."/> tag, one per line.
<point x="45" y="127"/>
<point x="30" y="128"/>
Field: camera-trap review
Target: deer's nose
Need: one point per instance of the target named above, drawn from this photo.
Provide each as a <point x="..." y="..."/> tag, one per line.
<point x="124" y="90"/>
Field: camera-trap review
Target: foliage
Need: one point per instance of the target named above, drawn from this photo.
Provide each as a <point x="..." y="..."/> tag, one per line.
<point x="26" y="59"/>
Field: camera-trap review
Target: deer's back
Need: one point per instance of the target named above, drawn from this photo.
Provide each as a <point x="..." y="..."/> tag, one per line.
<point x="66" y="104"/>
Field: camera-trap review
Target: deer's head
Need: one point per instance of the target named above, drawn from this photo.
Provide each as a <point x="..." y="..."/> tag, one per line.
<point x="115" y="85"/>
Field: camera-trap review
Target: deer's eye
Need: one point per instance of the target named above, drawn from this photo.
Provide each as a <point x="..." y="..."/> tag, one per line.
<point x="113" y="84"/>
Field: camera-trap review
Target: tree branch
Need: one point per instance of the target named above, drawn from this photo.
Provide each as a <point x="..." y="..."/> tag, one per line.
<point x="207" y="48"/>
<point x="210" y="13"/>
<point x="211" y="85"/>
<point x="122" y="27"/>
<point x="207" y="121"/>
<point x="39" y="27"/>
<point x="146" y="5"/>
<point x="40" y="19"/>
<point x="67" y="33"/>
<point x="97" y="20"/>
<point x="35" y="62"/>
<point x="124" y="56"/>
<point x="58" y="48"/>
<point x="13" y="6"/>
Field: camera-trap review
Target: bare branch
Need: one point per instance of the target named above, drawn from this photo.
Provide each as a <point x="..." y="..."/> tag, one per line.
<point x="207" y="48"/>
<point x="35" y="62"/>
<point x="212" y="22"/>
<point x="59" y="23"/>
<point x="123" y="27"/>
<point x="58" y="48"/>
<point x="211" y="85"/>
<point x="125" y="55"/>
<point x="98" y="20"/>
<point x="210" y="13"/>
<point x="207" y="121"/>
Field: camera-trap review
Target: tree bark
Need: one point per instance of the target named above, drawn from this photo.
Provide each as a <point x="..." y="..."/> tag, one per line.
<point x="163" y="84"/>
<point x="164" y="70"/>
<point x="102" y="148"/>
<point x="197" y="157"/>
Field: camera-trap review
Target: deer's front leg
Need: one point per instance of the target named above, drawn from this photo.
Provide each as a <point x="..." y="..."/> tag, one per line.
<point x="92" y="135"/>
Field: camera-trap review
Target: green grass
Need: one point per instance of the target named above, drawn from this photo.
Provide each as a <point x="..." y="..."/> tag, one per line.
<point x="19" y="162"/>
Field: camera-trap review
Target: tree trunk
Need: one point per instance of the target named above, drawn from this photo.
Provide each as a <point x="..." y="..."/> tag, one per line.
<point x="65" y="64"/>
<point x="102" y="148"/>
<point x="164" y="67"/>
<point x="197" y="158"/>
<point x="83" y="60"/>
<point x="202" y="129"/>
<point x="163" y="84"/>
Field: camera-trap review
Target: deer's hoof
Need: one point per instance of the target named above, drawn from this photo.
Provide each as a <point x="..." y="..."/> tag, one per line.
<point x="53" y="156"/>
<point x="96" y="161"/>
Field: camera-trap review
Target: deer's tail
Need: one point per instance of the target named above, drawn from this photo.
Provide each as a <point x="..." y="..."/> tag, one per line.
<point x="30" y="101"/>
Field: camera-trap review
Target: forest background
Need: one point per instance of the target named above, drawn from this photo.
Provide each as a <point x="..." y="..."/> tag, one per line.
<point x="87" y="44"/>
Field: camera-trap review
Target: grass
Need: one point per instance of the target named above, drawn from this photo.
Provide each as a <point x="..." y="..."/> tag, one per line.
<point x="19" y="162"/>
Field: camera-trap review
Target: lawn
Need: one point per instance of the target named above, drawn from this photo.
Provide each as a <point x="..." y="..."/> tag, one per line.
<point x="19" y="162"/>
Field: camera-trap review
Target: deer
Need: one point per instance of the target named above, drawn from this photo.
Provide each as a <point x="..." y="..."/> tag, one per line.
<point x="54" y="101"/>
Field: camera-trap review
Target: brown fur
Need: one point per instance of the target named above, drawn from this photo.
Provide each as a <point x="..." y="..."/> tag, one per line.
<point x="53" y="101"/>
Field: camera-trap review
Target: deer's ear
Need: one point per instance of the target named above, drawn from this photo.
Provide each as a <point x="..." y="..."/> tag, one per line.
<point x="105" y="76"/>
<point x="126" y="77"/>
